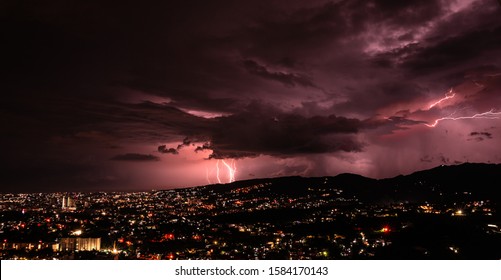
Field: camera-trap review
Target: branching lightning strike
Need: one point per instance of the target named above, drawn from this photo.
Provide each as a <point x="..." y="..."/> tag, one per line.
<point x="486" y="115"/>
<point x="448" y="95"/>
<point x="217" y="172"/>
<point x="232" y="170"/>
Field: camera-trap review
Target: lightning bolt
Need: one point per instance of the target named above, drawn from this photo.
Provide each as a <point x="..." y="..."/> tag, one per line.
<point x="207" y="175"/>
<point x="486" y="115"/>
<point x="231" y="170"/>
<point x="220" y="175"/>
<point x="448" y="95"/>
<point x="217" y="172"/>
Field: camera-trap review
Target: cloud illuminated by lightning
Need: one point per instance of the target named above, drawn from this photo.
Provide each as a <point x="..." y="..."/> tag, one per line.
<point x="486" y="115"/>
<point x="448" y="95"/>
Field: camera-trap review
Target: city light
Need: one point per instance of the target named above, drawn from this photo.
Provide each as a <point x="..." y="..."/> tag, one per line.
<point x="230" y="222"/>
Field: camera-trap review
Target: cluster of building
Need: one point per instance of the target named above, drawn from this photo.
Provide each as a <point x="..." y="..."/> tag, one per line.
<point x="251" y="222"/>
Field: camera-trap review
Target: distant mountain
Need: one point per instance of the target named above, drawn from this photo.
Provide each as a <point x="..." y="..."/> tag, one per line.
<point x="471" y="180"/>
<point x="478" y="180"/>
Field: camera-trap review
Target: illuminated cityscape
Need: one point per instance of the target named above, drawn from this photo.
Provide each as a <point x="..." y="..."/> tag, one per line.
<point x="249" y="130"/>
<point x="282" y="218"/>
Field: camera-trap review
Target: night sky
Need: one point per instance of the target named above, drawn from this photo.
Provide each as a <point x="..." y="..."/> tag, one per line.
<point x="131" y="95"/>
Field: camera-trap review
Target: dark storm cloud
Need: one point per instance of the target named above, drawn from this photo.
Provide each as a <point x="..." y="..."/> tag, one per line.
<point x="328" y="69"/>
<point x="93" y="52"/>
<point x="479" y="136"/>
<point x="164" y="150"/>
<point x="453" y="42"/>
<point x="50" y="176"/>
<point x="257" y="130"/>
<point x="298" y="35"/>
<point x="288" y="79"/>
<point x="391" y="124"/>
<point x="374" y="95"/>
<point x="455" y="51"/>
<point x="186" y="143"/>
<point x="395" y="56"/>
<point x="265" y="130"/>
<point x="404" y="13"/>
<point x="486" y="134"/>
<point x="135" y="157"/>
<point x="292" y="34"/>
<point x="145" y="122"/>
<point x="84" y="49"/>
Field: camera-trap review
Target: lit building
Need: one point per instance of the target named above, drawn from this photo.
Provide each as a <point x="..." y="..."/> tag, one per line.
<point x="68" y="204"/>
<point x="25" y="245"/>
<point x="80" y="244"/>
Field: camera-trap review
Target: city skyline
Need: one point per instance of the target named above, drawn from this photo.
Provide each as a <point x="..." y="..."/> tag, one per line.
<point x="132" y="96"/>
<point x="442" y="213"/>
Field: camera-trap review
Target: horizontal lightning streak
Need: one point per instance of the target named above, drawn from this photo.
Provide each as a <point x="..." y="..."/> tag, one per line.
<point x="486" y="115"/>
